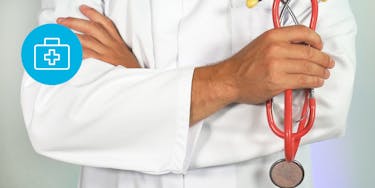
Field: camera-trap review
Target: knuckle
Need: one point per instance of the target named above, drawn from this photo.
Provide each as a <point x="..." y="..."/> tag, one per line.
<point x="108" y="20"/>
<point x="308" y="31"/>
<point x="313" y="37"/>
<point x="270" y="34"/>
<point x="270" y="88"/>
<point x="95" y="25"/>
<point x="109" y="23"/>
<point x="302" y="28"/>
<point x="272" y="75"/>
<point x="309" y="52"/>
<point x="272" y="65"/>
<point x="303" y="80"/>
<point x="84" y="37"/>
<point x="270" y="85"/>
<point x="316" y="38"/>
<point x="312" y="81"/>
<point x="87" y="40"/>
<point x="308" y="67"/>
<point x="309" y="81"/>
<point x="318" y="82"/>
<point x="273" y="49"/>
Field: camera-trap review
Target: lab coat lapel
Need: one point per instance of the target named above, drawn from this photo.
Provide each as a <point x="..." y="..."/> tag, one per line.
<point x="133" y="20"/>
<point x="166" y="17"/>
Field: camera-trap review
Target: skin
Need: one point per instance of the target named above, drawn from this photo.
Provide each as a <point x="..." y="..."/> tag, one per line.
<point x="267" y="66"/>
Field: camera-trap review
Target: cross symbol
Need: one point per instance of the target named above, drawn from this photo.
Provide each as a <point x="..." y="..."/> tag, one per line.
<point x="51" y="57"/>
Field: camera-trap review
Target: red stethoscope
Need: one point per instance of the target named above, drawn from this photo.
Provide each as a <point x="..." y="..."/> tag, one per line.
<point x="288" y="172"/>
<point x="291" y="139"/>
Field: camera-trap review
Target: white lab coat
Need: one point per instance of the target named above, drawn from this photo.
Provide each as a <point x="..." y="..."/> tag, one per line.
<point x="130" y="127"/>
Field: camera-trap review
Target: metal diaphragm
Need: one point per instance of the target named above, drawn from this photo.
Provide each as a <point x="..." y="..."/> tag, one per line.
<point x="286" y="174"/>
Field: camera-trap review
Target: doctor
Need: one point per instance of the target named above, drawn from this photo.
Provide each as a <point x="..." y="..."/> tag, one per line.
<point x="192" y="116"/>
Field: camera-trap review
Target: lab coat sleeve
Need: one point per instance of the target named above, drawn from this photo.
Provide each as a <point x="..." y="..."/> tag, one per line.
<point x="109" y="116"/>
<point x="338" y="29"/>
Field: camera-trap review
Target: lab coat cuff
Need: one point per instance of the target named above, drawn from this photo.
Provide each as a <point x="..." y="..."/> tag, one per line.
<point x="186" y="137"/>
<point x="193" y="136"/>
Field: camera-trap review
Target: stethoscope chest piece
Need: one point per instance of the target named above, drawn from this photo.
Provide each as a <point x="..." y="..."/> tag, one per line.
<point x="287" y="174"/>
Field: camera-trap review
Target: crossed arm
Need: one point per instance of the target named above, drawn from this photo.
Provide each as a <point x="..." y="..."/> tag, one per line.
<point x="264" y="68"/>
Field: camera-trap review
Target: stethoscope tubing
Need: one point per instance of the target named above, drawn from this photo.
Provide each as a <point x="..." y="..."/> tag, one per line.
<point x="292" y="140"/>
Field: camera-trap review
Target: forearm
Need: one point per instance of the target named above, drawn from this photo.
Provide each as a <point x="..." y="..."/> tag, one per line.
<point x="213" y="88"/>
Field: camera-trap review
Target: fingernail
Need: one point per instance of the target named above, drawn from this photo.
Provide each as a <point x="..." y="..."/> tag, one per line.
<point x="84" y="6"/>
<point x="332" y="62"/>
<point x="327" y="74"/>
<point x="59" y="20"/>
<point x="321" y="82"/>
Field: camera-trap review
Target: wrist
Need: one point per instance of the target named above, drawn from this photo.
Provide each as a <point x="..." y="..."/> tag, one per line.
<point x="212" y="89"/>
<point x="223" y="82"/>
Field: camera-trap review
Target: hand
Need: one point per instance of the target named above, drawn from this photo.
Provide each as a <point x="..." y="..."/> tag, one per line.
<point x="277" y="61"/>
<point x="100" y="38"/>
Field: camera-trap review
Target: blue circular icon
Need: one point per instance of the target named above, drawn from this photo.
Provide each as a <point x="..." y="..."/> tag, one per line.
<point x="51" y="54"/>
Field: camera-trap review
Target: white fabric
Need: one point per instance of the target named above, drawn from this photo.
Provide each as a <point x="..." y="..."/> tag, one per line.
<point x="130" y="127"/>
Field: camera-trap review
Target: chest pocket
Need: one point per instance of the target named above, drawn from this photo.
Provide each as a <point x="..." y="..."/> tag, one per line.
<point x="248" y="24"/>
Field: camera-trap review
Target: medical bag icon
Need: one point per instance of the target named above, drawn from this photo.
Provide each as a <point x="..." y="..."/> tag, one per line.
<point x="51" y="55"/>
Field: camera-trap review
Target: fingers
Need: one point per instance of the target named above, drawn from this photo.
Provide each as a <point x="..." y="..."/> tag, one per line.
<point x="93" y="14"/>
<point x="297" y="74"/>
<point x="100" y="38"/>
<point x="304" y="52"/>
<point x="90" y="42"/>
<point x="98" y="25"/>
<point x="85" y="26"/>
<point x="91" y="47"/>
<point x="285" y="43"/>
<point x="97" y="17"/>
<point x="302" y="81"/>
<point x="298" y="34"/>
<point x="306" y="68"/>
<point x="89" y="53"/>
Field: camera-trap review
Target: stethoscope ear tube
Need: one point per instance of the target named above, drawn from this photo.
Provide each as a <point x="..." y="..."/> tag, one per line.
<point x="314" y="14"/>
